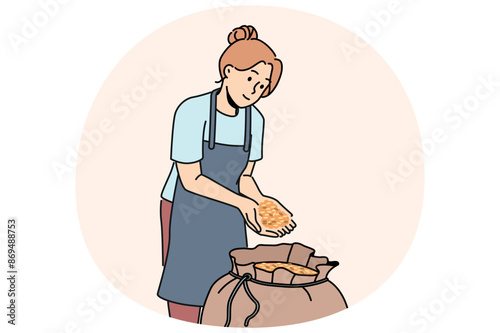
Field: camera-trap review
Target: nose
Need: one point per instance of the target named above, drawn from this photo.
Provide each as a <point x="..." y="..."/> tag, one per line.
<point x="254" y="87"/>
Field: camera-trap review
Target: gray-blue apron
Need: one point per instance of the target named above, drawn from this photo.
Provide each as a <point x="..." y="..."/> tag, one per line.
<point x="202" y="230"/>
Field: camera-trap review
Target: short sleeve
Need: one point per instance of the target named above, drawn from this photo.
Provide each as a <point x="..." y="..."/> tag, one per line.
<point x="188" y="132"/>
<point x="257" y="135"/>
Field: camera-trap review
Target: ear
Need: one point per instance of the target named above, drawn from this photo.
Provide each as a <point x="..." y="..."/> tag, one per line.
<point x="228" y="70"/>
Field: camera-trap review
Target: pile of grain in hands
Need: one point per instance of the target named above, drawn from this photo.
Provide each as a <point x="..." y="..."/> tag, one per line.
<point x="272" y="217"/>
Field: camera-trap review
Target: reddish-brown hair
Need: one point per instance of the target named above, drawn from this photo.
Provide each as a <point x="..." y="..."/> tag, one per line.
<point x="246" y="50"/>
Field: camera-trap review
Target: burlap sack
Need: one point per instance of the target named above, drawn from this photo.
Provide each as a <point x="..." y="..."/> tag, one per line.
<point x="251" y="297"/>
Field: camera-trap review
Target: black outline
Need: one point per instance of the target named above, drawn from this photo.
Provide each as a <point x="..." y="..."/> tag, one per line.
<point x="225" y="285"/>
<point x="345" y="302"/>
<point x="308" y="295"/>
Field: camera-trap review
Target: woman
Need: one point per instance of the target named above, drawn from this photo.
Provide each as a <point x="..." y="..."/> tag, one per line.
<point x="210" y="193"/>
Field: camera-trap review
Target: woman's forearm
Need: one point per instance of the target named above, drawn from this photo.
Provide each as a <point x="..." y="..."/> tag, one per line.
<point x="249" y="188"/>
<point x="194" y="181"/>
<point x="206" y="187"/>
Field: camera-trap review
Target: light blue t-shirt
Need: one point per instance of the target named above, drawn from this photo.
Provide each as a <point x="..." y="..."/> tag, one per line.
<point x="192" y="126"/>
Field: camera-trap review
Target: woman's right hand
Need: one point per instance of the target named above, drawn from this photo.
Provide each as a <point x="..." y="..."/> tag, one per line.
<point x="249" y="209"/>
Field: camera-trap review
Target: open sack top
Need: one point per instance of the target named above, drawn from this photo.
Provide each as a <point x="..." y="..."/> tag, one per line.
<point x="244" y="260"/>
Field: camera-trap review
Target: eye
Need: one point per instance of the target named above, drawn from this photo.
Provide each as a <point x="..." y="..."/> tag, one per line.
<point x="261" y="86"/>
<point x="249" y="78"/>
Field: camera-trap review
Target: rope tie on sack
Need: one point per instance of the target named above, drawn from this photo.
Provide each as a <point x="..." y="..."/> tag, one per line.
<point x="244" y="281"/>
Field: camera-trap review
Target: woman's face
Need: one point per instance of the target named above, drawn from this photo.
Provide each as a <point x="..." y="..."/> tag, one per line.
<point x="246" y="87"/>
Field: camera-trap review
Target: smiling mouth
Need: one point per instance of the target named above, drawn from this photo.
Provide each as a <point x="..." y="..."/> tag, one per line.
<point x="246" y="97"/>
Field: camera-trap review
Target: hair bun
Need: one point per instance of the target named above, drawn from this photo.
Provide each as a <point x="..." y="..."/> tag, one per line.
<point x="245" y="32"/>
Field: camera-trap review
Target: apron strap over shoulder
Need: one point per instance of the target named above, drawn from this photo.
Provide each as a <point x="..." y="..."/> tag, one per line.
<point x="248" y="128"/>
<point x="213" y="110"/>
<point x="213" y="118"/>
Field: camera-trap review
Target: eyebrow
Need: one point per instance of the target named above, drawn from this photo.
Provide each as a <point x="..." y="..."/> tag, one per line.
<point x="255" y="72"/>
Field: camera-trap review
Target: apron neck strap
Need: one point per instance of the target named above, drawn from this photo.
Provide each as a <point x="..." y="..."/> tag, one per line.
<point x="248" y="128"/>
<point x="213" y="119"/>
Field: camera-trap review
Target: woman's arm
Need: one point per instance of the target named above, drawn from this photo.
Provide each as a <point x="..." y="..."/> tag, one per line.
<point x="194" y="181"/>
<point x="248" y="186"/>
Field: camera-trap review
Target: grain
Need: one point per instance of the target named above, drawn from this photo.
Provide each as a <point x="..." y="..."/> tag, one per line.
<point x="272" y="217"/>
<point x="294" y="268"/>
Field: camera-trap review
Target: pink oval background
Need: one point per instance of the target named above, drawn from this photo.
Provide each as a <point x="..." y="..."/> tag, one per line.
<point x="333" y="129"/>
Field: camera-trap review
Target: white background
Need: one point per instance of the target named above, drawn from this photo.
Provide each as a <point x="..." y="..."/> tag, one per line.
<point x="438" y="50"/>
